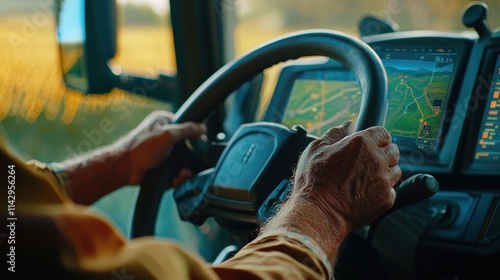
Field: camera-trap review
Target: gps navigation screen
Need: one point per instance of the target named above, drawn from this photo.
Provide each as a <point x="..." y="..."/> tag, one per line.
<point x="419" y="79"/>
<point x="321" y="99"/>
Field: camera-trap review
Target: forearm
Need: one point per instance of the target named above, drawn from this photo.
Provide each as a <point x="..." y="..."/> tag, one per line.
<point x="96" y="174"/>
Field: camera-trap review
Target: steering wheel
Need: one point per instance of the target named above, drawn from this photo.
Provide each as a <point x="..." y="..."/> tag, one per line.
<point x="222" y="191"/>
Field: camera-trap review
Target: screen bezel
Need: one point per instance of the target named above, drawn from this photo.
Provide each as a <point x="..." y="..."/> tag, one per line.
<point x="480" y="94"/>
<point x="442" y="158"/>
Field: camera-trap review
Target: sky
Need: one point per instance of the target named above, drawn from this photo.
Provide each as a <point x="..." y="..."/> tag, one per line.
<point x="71" y="27"/>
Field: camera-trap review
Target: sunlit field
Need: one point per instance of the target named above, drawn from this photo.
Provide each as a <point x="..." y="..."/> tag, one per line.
<point x="42" y="118"/>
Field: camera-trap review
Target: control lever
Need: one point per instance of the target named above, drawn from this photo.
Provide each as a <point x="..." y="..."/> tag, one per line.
<point x="412" y="190"/>
<point x="475" y="15"/>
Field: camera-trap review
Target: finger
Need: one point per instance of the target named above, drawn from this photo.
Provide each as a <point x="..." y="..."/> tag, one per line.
<point x="396" y="174"/>
<point x="163" y="117"/>
<point x="391" y="153"/>
<point x="157" y="119"/>
<point x="163" y="114"/>
<point x="380" y="135"/>
<point x="336" y="133"/>
<point x="184" y="175"/>
<point x="393" y="197"/>
<point x="186" y="130"/>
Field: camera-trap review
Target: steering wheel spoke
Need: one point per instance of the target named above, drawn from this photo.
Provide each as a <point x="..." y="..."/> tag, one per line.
<point x="190" y="197"/>
<point x="255" y="161"/>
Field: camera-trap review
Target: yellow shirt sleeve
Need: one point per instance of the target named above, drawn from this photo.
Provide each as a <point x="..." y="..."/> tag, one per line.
<point x="58" y="239"/>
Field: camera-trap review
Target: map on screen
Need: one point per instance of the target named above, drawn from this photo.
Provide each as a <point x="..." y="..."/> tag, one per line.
<point x="318" y="105"/>
<point x="418" y="87"/>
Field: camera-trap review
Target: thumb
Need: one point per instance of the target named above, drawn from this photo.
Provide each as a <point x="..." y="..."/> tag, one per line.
<point x="185" y="130"/>
<point x="336" y="133"/>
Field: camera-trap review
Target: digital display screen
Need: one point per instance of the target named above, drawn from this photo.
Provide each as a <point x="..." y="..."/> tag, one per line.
<point x="419" y="78"/>
<point x="323" y="98"/>
<point x="488" y="142"/>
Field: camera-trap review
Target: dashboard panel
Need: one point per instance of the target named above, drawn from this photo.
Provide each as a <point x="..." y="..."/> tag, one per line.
<point x="482" y="147"/>
<point x="444" y="115"/>
<point x="425" y="74"/>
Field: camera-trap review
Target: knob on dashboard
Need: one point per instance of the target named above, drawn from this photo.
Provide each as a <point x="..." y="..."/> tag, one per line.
<point x="474" y="15"/>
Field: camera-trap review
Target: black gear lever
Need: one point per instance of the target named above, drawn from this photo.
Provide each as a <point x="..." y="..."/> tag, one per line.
<point x="412" y="190"/>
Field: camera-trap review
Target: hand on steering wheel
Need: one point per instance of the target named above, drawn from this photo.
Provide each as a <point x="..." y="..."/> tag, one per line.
<point x="344" y="48"/>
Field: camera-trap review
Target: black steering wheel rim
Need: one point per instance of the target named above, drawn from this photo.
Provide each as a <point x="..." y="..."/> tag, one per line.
<point x="348" y="50"/>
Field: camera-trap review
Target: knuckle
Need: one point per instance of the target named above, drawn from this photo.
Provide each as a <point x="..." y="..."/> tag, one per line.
<point x="394" y="149"/>
<point x="334" y="133"/>
<point x="161" y="115"/>
<point x="387" y="179"/>
<point x="316" y="144"/>
<point x="379" y="132"/>
<point x="399" y="173"/>
<point x="360" y="137"/>
<point x="190" y="128"/>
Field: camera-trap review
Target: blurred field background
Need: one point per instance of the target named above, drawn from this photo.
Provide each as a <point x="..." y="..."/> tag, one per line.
<point x="45" y="120"/>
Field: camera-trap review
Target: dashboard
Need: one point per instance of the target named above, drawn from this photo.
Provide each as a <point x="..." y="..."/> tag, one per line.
<point x="431" y="103"/>
<point x="444" y="115"/>
<point x="487" y="150"/>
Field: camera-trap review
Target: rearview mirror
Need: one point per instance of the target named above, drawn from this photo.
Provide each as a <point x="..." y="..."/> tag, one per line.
<point x="86" y="33"/>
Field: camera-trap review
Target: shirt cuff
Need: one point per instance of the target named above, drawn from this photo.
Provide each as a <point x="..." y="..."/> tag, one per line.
<point x="293" y="233"/>
<point x="59" y="171"/>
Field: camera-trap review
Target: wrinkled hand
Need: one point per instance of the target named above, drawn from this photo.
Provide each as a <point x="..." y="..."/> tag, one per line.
<point x="152" y="141"/>
<point x="350" y="177"/>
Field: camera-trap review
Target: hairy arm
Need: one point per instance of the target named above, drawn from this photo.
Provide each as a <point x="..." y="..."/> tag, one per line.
<point x="342" y="182"/>
<point x="91" y="176"/>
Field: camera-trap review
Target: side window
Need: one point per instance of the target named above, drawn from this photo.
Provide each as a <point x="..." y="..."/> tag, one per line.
<point x="43" y="119"/>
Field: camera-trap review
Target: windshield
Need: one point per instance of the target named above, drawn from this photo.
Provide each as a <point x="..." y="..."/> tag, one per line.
<point x="261" y="20"/>
<point x="37" y="105"/>
<point x="258" y="21"/>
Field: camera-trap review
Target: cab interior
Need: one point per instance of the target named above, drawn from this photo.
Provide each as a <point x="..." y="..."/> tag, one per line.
<point x="268" y="78"/>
